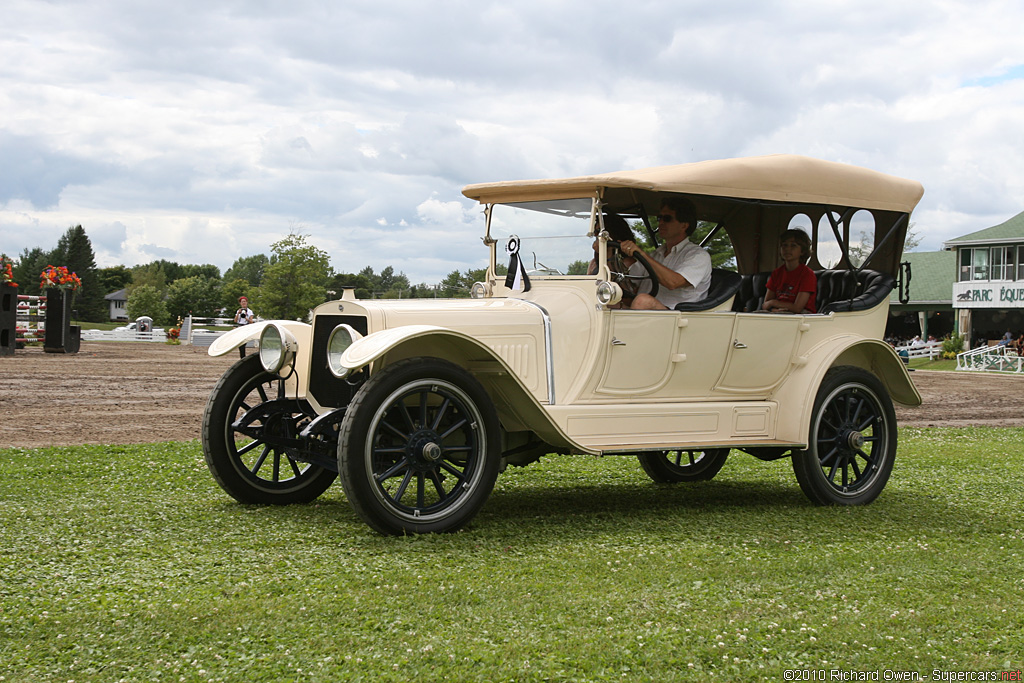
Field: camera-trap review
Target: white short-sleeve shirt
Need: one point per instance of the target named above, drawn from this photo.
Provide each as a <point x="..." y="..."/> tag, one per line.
<point x="689" y="260"/>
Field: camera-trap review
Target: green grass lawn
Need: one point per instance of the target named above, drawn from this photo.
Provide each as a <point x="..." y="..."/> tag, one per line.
<point x="938" y="364"/>
<point x="128" y="563"/>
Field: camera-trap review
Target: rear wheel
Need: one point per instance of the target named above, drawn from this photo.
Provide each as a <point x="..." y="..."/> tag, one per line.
<point x="249" y="439"/>
<point x="852" y="441"/>
<point x="675" y="466"/>
<point x="419" y="448"/>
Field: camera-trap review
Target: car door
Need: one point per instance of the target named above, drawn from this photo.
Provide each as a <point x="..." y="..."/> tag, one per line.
<point x="664" y="355"/>
<point x="760" y="352"/>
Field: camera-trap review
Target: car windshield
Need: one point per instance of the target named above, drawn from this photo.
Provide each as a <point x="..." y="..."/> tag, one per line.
<point x="552" y="235"/>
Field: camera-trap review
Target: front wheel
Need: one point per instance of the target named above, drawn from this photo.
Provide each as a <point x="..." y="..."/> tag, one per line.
<point x="671" y="467"/>
<point x="249" y="440"/>
<point x="419" y="448"/>
<point x="852" y="441"/>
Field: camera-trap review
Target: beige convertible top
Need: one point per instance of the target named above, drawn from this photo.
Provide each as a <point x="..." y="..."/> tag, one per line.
<point x="776" y="177"/>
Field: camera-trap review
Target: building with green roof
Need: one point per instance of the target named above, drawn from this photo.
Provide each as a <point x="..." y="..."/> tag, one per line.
<point x="988" y="284"/>
<point x="1009" y="232"/>
<point x="975" y="286"/>
<point x="929" y="309"/>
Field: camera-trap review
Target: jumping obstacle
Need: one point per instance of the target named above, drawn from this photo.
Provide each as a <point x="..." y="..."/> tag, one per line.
<point x="26" y="318"/>
<point x="31" y="318"/>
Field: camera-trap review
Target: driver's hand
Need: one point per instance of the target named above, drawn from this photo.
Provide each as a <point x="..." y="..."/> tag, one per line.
<point x="627" y="247"/>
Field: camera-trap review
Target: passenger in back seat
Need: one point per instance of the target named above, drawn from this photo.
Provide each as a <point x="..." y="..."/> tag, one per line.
<point x="792" y="287"/>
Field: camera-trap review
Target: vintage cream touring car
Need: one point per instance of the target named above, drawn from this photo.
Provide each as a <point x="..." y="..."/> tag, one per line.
<point x="419" y="404"/>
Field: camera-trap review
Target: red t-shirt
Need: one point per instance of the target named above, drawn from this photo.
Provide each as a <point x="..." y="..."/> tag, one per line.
<point x="788" y="283"/>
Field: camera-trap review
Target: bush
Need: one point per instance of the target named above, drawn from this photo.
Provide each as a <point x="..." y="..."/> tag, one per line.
<point x="952" y="345"/>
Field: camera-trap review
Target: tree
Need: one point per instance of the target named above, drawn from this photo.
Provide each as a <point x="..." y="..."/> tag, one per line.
<point x="296" y="279"/>
<point x="151" y="274"/>
<point x="114" y="278"/>
<point x="231" y="290"/>
<point x="172" y="270"/>
<point x="30" y="265"/>
<point x="453" y="286"/>
<point x="74" y="251"/>
<point x="197" y="295"/>
<point x="207" y="270"/>
<point x="720" y="247"/>
<point x="147" y="300"/>
<point x="362" y="284"/>
<point x="248" y="268"/>
<point x="578" y="268"/>
<point x="859" y="252"/>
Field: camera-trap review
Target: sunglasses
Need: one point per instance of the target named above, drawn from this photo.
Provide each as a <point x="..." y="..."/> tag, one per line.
<point x="665" y="218"/>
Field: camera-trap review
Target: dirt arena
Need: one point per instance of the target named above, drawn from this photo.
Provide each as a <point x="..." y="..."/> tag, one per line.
<point x="120" y="392"/>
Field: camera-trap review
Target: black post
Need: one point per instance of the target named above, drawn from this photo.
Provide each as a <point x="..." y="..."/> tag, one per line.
<point x="58" y="320"/>
<point x="8" y="319"/>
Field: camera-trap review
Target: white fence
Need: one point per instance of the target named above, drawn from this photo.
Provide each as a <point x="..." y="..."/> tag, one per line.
<point x="193" y="333"/>
<point x="156" y="335"/>
<point x="926" y="350"/>
<point x="990" y="359"/>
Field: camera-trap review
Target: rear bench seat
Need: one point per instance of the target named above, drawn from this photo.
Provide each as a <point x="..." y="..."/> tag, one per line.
<point x="838" y="290"/>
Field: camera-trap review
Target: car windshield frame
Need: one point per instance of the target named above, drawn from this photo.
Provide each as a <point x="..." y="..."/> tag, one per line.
<point x="544" y="234"/>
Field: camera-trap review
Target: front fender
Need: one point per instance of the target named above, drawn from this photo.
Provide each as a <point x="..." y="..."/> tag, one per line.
<point x="364" y="351"/>
<point x="518" y="409"/>
<point x="240" y="336"/>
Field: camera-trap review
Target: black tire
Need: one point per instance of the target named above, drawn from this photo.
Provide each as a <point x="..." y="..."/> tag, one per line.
<point x="419" y="448"/>
<point x="248" y="469"/>
<point x="672" y="467"/>
<point x="852" y="441"/>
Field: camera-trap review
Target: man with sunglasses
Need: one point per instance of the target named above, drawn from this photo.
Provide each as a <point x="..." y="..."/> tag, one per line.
<point x="682" y="267"/>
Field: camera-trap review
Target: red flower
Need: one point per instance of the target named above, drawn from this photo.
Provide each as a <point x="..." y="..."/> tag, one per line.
<point x="59" y="278"/>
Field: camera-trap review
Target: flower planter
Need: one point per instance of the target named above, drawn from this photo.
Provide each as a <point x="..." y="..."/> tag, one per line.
<point x="58" y="321"/>
<point x="8" y="318"/>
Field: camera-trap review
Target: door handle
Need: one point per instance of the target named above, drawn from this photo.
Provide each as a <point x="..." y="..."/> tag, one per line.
<point x="737" y="344"/>
<point x="617" y="342"/>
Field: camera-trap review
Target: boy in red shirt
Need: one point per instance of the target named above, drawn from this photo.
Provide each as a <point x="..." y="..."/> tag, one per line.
<point x="792" y="287"/>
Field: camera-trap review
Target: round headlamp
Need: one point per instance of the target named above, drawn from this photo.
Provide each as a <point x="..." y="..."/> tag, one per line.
<point x="277" y="348"/>
<point x="609" y="293"/>
<point x="479" y="291"/>
<point x="341" y="338"/>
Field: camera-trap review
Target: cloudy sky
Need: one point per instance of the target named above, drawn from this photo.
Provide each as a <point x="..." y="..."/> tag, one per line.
<point x="200" y="132"/>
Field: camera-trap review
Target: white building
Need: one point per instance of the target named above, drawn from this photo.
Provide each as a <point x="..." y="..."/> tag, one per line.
<point x="118" y="304"/>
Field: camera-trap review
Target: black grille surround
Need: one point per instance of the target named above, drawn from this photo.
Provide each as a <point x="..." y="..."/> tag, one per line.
<point x="324" y="387"/>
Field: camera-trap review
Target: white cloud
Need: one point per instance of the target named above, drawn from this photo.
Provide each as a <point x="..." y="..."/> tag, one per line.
<point x="202" y="132"/>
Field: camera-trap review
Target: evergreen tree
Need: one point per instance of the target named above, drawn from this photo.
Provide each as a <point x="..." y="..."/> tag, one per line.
<point x="74" y="251"/>
<point x="30" y="265"/>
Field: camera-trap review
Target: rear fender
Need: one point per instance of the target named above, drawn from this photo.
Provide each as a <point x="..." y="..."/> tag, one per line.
<point x="880" y="359"/>
<point x="796" y="396"/>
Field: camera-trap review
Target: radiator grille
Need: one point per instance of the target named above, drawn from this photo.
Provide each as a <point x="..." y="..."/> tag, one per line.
<point x="327" y="389"/>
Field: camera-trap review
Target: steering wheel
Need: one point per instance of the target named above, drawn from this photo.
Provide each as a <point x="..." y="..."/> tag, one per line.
<point x="642" y="258"/>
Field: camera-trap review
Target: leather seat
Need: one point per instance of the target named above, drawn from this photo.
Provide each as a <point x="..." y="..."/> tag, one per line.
<point x="724" y="284"/>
